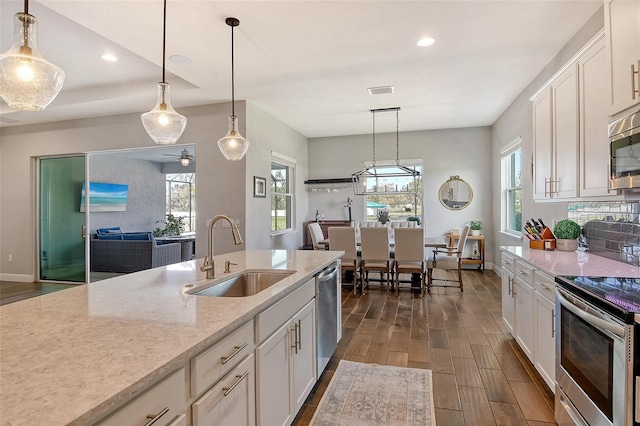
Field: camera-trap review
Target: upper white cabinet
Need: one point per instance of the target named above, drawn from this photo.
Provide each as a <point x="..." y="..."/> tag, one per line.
<point x="622" y="27"/>
<point x="570" y="141"/>
<point x="594" y="142"/>
<point x="555" y="138"/>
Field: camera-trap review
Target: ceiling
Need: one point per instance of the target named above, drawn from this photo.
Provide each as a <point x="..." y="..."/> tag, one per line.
<point x="307" y="63"/>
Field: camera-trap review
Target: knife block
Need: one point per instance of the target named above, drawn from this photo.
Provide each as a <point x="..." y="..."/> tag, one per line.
<point x="548" y="241"/>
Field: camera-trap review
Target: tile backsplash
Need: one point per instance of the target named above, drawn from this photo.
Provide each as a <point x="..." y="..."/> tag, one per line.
<point x="611" y="229"/>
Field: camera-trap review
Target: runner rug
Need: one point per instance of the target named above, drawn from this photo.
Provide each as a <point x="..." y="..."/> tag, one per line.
<point x="371" y="394"/>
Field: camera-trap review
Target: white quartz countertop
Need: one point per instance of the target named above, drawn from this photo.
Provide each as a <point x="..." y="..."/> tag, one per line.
<point x="574" y="263"/>
<point x="72" y="356"/>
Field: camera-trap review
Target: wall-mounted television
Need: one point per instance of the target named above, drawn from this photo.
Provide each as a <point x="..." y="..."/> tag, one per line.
<point x="105" y="197"/>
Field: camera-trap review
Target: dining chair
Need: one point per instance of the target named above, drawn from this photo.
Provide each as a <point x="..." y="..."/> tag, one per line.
<point x="374" y="248"/>
<point x="343" y="238"/>
<point x="409" y="255"/>
<point x="447" y="258"/>
<point x="316" y="236"/>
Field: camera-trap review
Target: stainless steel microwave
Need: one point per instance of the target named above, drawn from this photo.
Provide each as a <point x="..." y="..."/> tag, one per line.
<point x="624" y="139"/>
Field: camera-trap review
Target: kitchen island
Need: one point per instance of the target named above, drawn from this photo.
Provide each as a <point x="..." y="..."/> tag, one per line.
<point x="75" y="356"/>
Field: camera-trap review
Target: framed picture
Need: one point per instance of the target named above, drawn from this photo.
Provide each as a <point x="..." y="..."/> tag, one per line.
<point x="259" y="187"/>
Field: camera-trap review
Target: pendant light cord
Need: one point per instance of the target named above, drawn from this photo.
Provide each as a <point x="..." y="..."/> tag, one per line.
<point x="164" y="37"/>
<point x="233" y="101"/>
<point x="397" y="138"/>
<point x="374" y="137"/>
<point x="26" y="7"/>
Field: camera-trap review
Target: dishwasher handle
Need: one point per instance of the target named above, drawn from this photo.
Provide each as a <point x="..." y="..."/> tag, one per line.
<point x="328" y="274"/>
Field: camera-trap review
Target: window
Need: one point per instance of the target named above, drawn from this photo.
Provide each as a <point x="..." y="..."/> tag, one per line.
<point x="181" y="196"/>
<point x="282" y="193"/>
<point x="511" y="191"/>
<point x="400" y="196"/>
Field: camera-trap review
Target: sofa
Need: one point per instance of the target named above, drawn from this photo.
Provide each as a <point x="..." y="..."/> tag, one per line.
<point x="124" y="252"/>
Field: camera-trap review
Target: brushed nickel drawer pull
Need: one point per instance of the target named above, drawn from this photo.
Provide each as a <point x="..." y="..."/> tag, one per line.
<point x="294" y="344"/>
<point x="553" y="323"/>
<point x="633" y="80"/>
<point x="225" y="359"/>
<point x="299" y="335"/>
<point x="236" y="383"/>
<point x="522" y="272"/>
<point x="155" y="417"/>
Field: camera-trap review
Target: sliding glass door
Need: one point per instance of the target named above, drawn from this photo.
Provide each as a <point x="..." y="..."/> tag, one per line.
<point x="62" y="248"/>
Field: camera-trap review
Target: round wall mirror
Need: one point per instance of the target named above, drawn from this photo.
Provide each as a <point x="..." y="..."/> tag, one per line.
<point x="455" y="194"/>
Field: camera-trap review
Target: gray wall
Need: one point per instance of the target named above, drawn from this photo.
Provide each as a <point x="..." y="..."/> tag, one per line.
<point x="517" y="121"/>
<point x="222" y="186"/>
<point x="464" y="152"/>
<point x="146" y="195"/>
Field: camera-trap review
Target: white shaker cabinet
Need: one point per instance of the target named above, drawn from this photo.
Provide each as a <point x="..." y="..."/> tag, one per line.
<point x="231" y="401"/>
<point x="523" y="294"/>
<point x="594" y="141"/>
<point x="545" y="354"/>
<point x="508" y="301"/>
<point x="286" y="368"/>
<point x="542" y="145"/>
<point x="622" y="27"/>
<point x="555" y="139"/>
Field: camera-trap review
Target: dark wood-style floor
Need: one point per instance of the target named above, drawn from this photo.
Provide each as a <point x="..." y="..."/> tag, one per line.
<point x="480" y="375"/>
<point x="11" y="291"/>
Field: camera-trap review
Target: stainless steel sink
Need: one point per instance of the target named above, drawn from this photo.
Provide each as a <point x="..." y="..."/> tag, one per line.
<point x="246" y="284"/>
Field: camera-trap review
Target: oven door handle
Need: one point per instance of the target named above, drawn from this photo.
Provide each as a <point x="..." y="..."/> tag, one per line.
<point x="591" y="318"/>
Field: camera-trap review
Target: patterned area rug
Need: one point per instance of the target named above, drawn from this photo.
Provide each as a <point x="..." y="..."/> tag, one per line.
<point x="371" y="394"/>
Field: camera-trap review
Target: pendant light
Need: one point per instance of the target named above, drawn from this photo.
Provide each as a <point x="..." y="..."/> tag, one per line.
<point x="185" y="158"/>
<point x="163" y="124"/>
<point x="27" y="81"/>
<point x="233" y="145"/>
<point x="375" y="172"/>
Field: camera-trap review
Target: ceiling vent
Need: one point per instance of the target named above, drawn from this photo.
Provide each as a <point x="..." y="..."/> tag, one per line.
<point x="382" y="90"/>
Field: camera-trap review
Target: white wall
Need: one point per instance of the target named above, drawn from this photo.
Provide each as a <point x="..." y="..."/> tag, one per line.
<point x="464" y="152"/>
<point x="266" y="134"/>
<point x="517" y="121"/>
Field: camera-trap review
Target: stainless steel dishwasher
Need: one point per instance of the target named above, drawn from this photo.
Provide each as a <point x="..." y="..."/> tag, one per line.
<point x="327" y="314"/>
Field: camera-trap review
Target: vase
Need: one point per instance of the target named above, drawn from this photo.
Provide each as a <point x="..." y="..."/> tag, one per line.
<point x="475" y="232"/>
<point x="566" y="245"/>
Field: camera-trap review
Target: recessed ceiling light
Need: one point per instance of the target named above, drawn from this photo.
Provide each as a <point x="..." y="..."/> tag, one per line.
<point x="427" y="41"/>
<point x="109" y="57"/>
<point x="181" y="59"/>
<point x="380" y="90"/>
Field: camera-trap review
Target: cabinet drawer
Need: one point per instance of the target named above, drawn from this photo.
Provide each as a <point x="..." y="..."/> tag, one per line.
<point x="166" y="400"/>
<point x="508" y="262"/>
<point x="545" y="285"/>
<point x="270" y="320"/>
<point x="208" y="367"/>
<point x="524" y="272"/>
<point x="230" y="402"/>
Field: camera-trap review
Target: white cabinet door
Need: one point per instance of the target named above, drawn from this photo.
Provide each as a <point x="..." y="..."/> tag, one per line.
<point x="542" y="140"/>
<point x="231" y="401"/>
<point x="622" y="23"/>
<point x="508" y="301"/>
<point x="545" y="340"/>
<point x="525" y="323"/>
<point x="286" y="368"/>
<point x="594" y="142"/>
<point x="303" y="358"/>
<point x="274" y="402"/>
<point x="565" y="135"/>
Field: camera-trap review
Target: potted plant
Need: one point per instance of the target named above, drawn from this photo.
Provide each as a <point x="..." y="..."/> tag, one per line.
<point x="475" y="226"/>
<point x="414" y="219"/>
<point x="567" y="232"/>
<point x="383" y="216"/>
<point x="173" y="226"/>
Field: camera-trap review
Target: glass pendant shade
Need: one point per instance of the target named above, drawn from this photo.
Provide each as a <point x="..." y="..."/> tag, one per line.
<point x="27" y="81"/>
<point x="163" y="124"/>
<point x="233" y="146"/>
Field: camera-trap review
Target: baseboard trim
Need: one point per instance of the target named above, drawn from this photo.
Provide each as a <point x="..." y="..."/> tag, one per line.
<point x="19" y="278"/>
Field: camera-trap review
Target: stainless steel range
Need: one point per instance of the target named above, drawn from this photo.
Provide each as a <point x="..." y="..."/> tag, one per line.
<point x="597" y="356"/>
